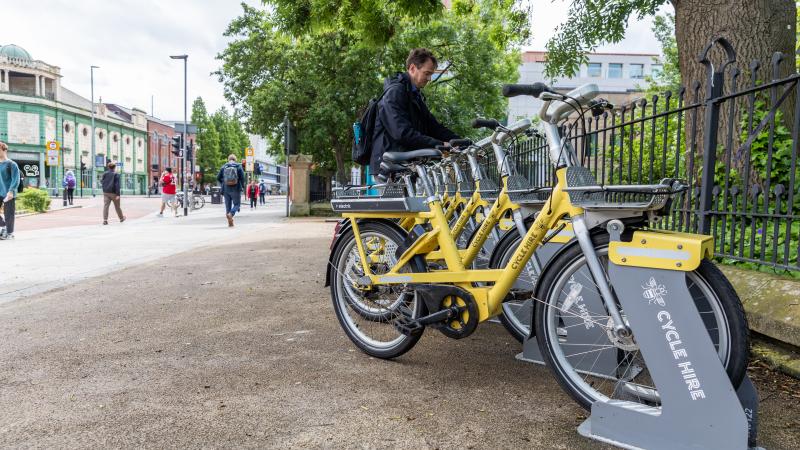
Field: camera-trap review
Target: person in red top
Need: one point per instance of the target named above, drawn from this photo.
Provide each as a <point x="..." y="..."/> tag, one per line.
<point x="168" y="186"/>
<point x="251" y="192"/>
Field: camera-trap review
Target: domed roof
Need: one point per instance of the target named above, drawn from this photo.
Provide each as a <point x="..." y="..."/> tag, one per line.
<point x="15" y="51"/>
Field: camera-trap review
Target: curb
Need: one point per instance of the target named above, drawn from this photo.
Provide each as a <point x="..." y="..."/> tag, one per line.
<point x="48" y="211"/>
<point x="781" y="359"/>
<point x="771" y="302"/>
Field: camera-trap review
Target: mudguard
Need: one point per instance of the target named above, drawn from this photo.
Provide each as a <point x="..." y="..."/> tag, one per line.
<point x="345" y="226"/>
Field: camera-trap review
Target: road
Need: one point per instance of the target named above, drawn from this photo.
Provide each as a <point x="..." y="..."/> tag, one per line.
<point x="228" y="339"/>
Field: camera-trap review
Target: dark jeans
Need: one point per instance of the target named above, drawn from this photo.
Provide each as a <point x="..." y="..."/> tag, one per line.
<point x="261" y="198"/>
<point x="253" y="201"/>
<point x="70" y="192"/>
<point x="233" y="200"/>
<point x="9" y="209"/>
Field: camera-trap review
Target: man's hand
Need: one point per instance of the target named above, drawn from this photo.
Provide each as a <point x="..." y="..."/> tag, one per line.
<point x="9" y="196"/>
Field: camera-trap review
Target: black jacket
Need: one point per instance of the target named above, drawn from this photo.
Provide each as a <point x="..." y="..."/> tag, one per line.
<point x="110" y="182"/>
<point x="404" y="122"/>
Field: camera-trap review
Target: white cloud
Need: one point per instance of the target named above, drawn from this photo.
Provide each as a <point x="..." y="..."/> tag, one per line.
<point x="131" y="42"/>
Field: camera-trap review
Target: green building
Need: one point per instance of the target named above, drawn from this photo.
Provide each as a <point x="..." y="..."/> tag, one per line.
<point x="36" y="109"/>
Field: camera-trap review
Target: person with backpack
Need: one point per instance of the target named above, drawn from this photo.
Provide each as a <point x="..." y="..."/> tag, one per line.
<point x="69" y="184"/>
<point x="231" y="180"/>
<point x="402" y="120"/>
<point x="111" y="192"/>
<point x="10" y="186"/>
<point x="262" y="192"/>
<point x="252" y="193"/>
<point x="168" y="187"/>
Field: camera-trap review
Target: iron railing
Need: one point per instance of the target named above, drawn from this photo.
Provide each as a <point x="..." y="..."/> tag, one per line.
<point x="319" y="188"/>
<point x="733" y="139"/>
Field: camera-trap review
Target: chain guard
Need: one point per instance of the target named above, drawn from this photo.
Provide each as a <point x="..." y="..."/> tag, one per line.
<point x="463" y="320"/>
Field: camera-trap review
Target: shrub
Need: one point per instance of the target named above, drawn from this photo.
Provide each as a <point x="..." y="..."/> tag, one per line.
<point x="34" y="199"/>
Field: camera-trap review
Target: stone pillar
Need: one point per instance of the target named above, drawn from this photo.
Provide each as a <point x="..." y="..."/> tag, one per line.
<point x="38" y="84"/>
<point x="299" y="171"/>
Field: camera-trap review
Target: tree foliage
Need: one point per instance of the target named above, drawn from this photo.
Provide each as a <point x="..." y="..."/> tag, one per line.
<point x="218" y="135"/>
<point x="592" y="23"/>
<point x="320" y="76"/>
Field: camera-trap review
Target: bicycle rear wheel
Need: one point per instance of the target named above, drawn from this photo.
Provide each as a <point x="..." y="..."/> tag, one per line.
<point x="564" y="292"/>
<point x="198" y="201"/>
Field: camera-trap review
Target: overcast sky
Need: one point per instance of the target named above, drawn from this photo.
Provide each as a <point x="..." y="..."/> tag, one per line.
<point x="131" y="41"/>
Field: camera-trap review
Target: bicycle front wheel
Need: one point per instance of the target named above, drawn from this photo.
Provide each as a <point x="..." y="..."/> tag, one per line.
<point x="565" y="312"/>
<point x="373" y="319"/>
<point x="198" y="202"/>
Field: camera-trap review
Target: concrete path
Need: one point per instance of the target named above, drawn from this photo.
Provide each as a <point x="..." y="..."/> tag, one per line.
<point x="46" y="257"/>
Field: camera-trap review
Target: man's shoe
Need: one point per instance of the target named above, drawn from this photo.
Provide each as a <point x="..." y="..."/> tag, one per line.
<point x="3" y="234"/>
<point x="123" y="219"/>
<point x="105" y="222"/>
<point x="230" y="219"/>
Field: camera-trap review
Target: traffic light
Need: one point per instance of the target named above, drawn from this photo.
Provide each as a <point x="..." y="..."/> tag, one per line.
<point x="177" y="145"/>
<point x="257" y="169"/>
<point x="190" y="150"/>
<point x="83" y="166"/>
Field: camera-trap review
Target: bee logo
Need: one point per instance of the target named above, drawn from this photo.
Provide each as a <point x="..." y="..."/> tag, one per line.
<point x="654" y="292"/>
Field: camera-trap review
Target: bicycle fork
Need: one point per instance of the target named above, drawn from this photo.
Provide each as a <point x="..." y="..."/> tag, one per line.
<point x="596" y="269"/>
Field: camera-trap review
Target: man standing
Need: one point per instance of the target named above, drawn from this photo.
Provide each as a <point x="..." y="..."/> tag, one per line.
<point x="9" y="182"/>
<point x="168" y="186"/>
<point x="111" y="191"/>
<point x="404" y="121"/>
<point x="231" y="179"/>
<point x="262" y="191"/>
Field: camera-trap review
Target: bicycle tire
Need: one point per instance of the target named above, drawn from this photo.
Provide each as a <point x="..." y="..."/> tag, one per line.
<point x="724" y="303"/>
<point x="402" y="343"/>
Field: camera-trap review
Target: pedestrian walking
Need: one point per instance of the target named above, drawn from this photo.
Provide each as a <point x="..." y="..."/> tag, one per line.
<point x="9" y="187"/>
<point x="262" y="192"/>
<point x="252" y="194"/>
<point x="231" y="180"/>
<point x="69" y="184"/>
<point x="168" y="188"/>
<point x="111" y="192"/>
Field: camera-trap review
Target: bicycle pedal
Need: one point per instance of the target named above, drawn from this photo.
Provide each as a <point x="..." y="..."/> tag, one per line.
<point x="407" y="326"/>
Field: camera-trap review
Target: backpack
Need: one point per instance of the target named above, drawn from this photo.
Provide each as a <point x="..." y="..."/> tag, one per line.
<point x="230" y="174"/>
<point x="71" y="182"/>
<point x="363" y="130"/>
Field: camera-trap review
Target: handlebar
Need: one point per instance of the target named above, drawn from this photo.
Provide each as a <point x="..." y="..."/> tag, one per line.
<point x="485" y="123"/>
<point x="535" y="89"/>
<point x="460" y="142"/>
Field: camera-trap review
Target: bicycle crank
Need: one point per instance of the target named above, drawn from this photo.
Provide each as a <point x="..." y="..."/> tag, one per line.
<point x="452" y="310"/>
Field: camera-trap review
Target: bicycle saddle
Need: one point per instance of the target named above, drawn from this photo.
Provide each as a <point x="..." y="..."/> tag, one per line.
<point x="388" y="168"/>
<point x="413" y="156"/>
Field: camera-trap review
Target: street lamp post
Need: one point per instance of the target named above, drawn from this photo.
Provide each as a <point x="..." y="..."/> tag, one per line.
<point x="185" y="133"/>
<point x="94" y="175"/>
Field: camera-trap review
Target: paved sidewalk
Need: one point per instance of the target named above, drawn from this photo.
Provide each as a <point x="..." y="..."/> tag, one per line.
<point x="80" y="247"/>
<point x="241" y="348"/>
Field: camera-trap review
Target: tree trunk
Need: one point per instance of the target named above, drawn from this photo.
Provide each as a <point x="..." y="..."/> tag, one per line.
<point x="756" y="29"/>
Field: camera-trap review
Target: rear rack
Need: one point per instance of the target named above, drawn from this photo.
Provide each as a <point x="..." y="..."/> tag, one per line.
<point x="390" y="198"/>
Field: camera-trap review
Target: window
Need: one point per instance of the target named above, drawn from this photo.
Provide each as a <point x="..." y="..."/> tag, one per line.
<point x="67" y="128"/>
<point x="656" y="70"/>
<point x="594" y="69"/>
<point x="615" y="70"/>
<point x="85" y="131"/>
<point x="636" y="70"/>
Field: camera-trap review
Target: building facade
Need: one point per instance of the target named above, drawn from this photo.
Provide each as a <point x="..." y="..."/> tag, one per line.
<point x="273" y="174"/>
<point x="160" y="150"/>
<point x="36" y="109"/>
<point x="620" y="77"/>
